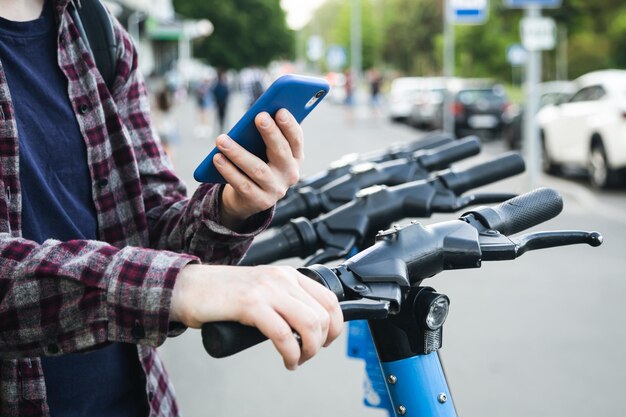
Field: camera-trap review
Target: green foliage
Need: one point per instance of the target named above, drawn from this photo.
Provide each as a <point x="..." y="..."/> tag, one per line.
<point x="406" y="35"/>
<point x="481" y="49"/>
<point x="247" y="32"/>
<point x="332" y="23"/>
<point x="587" y="52"/>
<point x="411" y="27"/>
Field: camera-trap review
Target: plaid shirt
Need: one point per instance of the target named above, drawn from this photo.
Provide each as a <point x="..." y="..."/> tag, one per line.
<point x="61" y="297"/>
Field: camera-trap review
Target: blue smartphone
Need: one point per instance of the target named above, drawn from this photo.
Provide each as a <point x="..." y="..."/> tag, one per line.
<point x="297" y="93"/>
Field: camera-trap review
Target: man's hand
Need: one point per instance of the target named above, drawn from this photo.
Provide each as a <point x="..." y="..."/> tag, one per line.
<point x="274" y="299"/>
<point x="253" y="185"/>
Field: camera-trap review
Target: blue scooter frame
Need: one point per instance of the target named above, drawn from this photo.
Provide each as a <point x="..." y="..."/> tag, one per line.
<point x="415" y="386"/>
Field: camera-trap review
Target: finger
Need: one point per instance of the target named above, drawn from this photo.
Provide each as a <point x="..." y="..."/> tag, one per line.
<point x="240" y="182"/>
<point x="278" y="147"/>
<point x="317" y="320"/>
<point x="238" y="157"/>
<point x="292" y="131"/>
<point x="274" y="326"/>
<point x="304" y="320"/>
<point x="327" y="300"/>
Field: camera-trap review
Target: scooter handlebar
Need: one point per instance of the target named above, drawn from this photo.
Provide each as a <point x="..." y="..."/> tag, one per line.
<point x="505" y="166"/>
<point x="522" y="212"/>
<point x="404" y="256"/>
<point x="442" y="156"/>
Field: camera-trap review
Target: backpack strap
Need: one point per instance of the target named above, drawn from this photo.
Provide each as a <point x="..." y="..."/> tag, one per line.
<point x="96" y="30"/>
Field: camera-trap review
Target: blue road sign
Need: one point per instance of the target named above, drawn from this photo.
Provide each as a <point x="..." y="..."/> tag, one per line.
<point x="520" y="4"/>
<point x="336" y="57"/>
<point x="470" y="12"/>
<point x="516" y="55"/>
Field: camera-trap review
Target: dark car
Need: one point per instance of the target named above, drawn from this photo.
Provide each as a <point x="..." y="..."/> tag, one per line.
<point x="479" y="110"/>
<point x="554" y="92"/>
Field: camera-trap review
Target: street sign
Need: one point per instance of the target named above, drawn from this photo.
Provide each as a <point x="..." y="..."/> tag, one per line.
<point x="336" y="57"/>
<point x="469" y="12"/>
<point x="538" y="33"/>
<point x="516" y="55"/>
<point x="521" y="4"/>
<point x="315" y="48"/>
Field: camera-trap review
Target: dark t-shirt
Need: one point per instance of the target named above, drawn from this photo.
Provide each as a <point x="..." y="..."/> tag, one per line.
<point x="57" y="203"/>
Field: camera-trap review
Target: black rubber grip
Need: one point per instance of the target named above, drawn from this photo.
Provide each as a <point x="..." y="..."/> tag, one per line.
<point x="222" y="339"/>
<point x="442" y="156"/>
<point x="497" y="169"/>
<point x="289" y="208"/>
<point x="270" y="246"/>
<point x="522" y="212"/>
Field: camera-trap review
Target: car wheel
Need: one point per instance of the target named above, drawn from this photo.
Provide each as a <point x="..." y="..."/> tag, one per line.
<point x="547" y="164"/>
<point x="600" y="174"/>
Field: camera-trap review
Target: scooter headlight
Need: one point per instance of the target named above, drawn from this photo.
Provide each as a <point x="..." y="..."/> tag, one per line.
<point x="437" y="311"/>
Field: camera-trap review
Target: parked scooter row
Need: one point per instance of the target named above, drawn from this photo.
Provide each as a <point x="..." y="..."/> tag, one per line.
<point x="352" y="212"/>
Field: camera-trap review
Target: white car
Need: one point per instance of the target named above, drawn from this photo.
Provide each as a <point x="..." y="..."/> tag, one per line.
<point x="402" y="96"/>
<point x="425" y="112"/>
<point x="588" y="130"/>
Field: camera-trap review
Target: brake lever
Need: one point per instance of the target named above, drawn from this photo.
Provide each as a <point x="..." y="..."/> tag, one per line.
<point x="496" y="247"/>
<point x="544" y="240"/>
<point x="327" y="255"/>
<point x="336" y="246"/>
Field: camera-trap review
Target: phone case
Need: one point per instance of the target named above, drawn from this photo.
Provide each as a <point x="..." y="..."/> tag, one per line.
<point x="292" y="92"/>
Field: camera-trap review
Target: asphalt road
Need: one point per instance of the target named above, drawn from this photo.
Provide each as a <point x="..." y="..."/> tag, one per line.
<point x="540" y="336"/>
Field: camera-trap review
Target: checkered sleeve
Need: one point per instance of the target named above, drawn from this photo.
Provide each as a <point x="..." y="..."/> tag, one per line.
<point x="175" y="223"/>
<point x="61" y="297"/>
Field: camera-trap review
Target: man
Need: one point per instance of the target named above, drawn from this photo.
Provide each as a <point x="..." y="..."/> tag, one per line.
<point x="220" y="94"/>
<point x="101" y="254"/>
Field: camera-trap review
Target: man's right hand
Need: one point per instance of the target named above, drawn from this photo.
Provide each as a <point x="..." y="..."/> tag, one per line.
<point x="274" y="299"/>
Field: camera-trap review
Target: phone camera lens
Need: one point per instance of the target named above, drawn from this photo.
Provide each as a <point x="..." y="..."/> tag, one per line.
<point x="319" y="94"/>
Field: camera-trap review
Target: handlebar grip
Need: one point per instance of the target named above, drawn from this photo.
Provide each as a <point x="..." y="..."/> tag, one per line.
<point x="225" y="338"/>
<point x="442" y="156"/>
<point x="522" y="212"/>
<point x="502" y="167"/>
<point x="268" y="247"/>
<point x="289" y="208"/>
<point x="296" y="238"/>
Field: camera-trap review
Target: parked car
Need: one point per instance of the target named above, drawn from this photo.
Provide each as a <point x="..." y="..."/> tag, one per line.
<point x="428" y="99"/>
<point x="550" y="93"/>
<point x="478" y="107"/>
<point x="589" y="130"/>
<point x="401" y="97"/>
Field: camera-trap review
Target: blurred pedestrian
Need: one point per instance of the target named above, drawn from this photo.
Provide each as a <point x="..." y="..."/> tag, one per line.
<point x="252" y="83"/>
<point x="220" y="94"/>
<point x="375" y="81"/>
<point x="205" y="103"/>
<point x="164" y="121"/>
<point x="349" y="96"/>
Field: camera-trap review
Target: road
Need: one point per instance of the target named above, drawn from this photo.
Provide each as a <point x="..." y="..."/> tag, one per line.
<point x="540" y="336"/>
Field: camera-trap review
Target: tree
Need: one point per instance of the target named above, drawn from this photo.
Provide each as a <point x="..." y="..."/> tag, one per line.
<point x="411" y="27"/>
<point x="481" y="49"/>
<point x="332" y="22"/>
<point x="246" y="32"/>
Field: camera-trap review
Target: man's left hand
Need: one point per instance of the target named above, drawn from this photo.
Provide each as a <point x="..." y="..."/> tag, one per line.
<point x="252" y="184"/>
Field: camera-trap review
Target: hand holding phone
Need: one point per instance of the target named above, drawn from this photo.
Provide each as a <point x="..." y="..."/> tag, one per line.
<point x="298" y="94"/>
<point x="258" y="177"/>
<point x="254" y="185"/>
